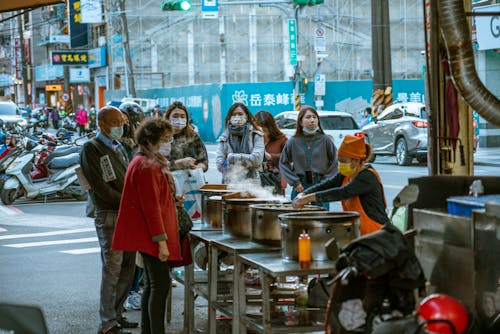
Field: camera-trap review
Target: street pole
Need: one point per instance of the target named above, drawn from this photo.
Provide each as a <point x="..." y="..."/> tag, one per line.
<point x="129" y="69"/>
<point x="24" y="71"/>
<point x="296" y="75"/>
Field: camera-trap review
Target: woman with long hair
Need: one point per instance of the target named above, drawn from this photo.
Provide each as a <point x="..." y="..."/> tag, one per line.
<point x="147" y="219"/>
<point x="188" y="151"/>
<point x="274" y="141"/>
<point x="309" y="156"/>
<point x="241" y="147"/>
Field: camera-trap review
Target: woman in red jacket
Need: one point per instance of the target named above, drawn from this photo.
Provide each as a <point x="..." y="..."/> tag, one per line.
<point x="147" y="219"/>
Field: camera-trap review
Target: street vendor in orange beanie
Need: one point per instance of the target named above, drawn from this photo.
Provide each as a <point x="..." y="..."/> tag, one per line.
<point x="357" y="185"/>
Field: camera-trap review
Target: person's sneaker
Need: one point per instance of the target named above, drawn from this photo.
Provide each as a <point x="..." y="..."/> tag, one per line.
<point x="174" y="283"/>
<point x="133" y="301"/>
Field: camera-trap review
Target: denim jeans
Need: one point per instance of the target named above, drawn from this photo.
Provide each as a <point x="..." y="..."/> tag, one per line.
<point x="117" y="271"/>
<point x="154" y="297"/>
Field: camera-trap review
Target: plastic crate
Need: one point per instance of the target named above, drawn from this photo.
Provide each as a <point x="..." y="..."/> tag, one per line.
<point x="463" y="205"/>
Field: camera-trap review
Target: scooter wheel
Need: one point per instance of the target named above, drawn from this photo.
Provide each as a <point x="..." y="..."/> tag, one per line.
<point x="8" y="196"/>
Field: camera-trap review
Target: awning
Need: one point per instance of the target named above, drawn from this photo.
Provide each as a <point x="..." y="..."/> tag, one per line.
<point x="8" y="6"/>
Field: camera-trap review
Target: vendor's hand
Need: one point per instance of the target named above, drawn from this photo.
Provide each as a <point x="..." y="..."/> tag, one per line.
<point x="267" y="155"/>
<point x="299" y="188"/>
<point x="301" y="200"/>
<point x="163" y="251"/>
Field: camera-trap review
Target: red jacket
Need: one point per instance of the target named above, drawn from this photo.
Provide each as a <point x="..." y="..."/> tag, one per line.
<point x="147" y="211"/>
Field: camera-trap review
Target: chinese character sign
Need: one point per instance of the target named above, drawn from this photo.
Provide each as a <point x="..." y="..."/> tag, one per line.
<point x="77" y="29"/>
<point x="69" y="57"/>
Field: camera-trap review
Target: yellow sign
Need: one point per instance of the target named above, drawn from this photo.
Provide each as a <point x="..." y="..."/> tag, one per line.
<point x="53" y="88"/>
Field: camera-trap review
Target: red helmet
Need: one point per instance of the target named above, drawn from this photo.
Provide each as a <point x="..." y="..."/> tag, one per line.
<point x="440" y="306"/>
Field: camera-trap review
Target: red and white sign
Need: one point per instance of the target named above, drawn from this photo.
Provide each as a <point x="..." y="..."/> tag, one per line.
<point x="65" y="97"/>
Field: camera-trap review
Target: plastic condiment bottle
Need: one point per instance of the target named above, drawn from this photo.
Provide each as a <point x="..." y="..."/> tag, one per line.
<point x="304" y="250"/>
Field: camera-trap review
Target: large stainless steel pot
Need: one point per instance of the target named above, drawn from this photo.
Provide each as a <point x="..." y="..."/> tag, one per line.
<point x="237" y="217"/>
<point x="266" y="227"/>
<point x="336" y="229"/>
<point x="211" y="209"/>
<point x="212" y="214"/>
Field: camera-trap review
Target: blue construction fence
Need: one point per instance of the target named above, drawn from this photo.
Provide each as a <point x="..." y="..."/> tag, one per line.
<point x="208" y="104"/>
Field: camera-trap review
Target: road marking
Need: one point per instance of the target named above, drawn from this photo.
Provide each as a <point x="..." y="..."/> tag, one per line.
<point x="45" y="234"/>
<point x="3" y="229"/>
<point x="7" y="210"/>
<point x="50" y="243"/>
<point x="393" y="187"/>
<point x="82" y="251"/>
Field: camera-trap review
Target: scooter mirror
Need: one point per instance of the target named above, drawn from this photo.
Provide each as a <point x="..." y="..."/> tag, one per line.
<point x="406" y="196"/>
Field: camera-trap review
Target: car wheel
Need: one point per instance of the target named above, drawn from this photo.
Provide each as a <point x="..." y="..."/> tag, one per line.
<point x="402" y="156"/>
<point x="8" y="196"/>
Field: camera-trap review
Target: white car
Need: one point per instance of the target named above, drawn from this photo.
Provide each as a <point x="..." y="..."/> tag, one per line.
<point x="337" y="124"/>
<point x="10" y="113"/>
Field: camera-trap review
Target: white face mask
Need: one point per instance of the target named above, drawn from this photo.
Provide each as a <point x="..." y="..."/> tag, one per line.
<point x="165" y="149"/>
<point x="178" y="123"/>
<point x="238" y="120"/>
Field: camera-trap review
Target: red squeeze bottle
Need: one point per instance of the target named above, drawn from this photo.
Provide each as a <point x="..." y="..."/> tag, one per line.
<point x="304" y="250"/>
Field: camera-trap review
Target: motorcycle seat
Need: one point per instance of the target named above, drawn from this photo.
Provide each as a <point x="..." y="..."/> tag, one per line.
<point x="64" y="161"/>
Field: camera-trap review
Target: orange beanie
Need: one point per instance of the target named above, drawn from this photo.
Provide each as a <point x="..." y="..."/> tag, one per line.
<point x="352" y="147"/>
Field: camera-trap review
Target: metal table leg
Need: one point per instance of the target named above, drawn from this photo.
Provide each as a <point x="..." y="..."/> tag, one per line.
<point x="213" y="268"/>
<point x="188" y="299"/>
<point x="266" y="301"/>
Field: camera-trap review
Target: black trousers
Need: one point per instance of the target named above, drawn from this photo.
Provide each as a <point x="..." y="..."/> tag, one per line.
<point x="154" y="297"/>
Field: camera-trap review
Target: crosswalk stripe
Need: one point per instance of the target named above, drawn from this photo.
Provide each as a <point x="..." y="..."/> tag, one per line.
<point x="54" y="242"/>
<point x="45" y="234"/>
<point x="3" y="229"/>
<point x="82" y="251"/>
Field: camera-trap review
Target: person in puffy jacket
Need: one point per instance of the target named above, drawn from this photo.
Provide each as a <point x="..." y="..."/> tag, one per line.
<point x="241" y="147"/>
<point x="82" y="119"/>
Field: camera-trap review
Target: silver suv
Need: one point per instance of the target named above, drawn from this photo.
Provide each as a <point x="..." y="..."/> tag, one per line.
<point x="399" y="130"/>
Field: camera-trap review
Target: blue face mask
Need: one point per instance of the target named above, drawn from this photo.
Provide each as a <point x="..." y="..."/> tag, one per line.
<point x="310" y="132"/>
<point x="116" y="132"/>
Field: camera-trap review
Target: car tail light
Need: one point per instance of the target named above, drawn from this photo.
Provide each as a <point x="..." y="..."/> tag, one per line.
<point x="420" y="124"/>
<point x="359" y="134"/>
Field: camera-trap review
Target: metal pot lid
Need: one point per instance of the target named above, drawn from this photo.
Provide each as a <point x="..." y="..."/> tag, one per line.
<point x="319" y="216"/>
<point x="286" y="206"/>
<point x="215" y="198"/>
<point x="253" y="200"/>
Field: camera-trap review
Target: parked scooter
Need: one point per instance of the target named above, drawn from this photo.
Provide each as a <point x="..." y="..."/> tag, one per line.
<point x="60" y="181"/>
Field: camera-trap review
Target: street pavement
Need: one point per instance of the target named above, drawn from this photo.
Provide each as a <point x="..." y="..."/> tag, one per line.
<point x="10" y="216"/>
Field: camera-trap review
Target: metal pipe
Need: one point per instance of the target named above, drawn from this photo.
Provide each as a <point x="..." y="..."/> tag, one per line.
<point x="458" y="41"/>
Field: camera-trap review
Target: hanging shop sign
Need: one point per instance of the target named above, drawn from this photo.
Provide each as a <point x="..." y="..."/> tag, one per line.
<point x="77" y="29"/>
<point x="68" y="57"/>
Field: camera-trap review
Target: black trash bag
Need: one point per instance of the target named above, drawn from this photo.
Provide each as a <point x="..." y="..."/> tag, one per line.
<point x="388" y="270"/>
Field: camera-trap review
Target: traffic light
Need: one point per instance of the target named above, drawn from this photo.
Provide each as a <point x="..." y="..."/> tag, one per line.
<point x="307" y="2"/>
<point x="183" y="5"/>
<point x="303" y="84"/>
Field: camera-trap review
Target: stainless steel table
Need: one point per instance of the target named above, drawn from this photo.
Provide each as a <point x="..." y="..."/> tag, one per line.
<point x="272" y="266"/>
<point x="234" y="247"/>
